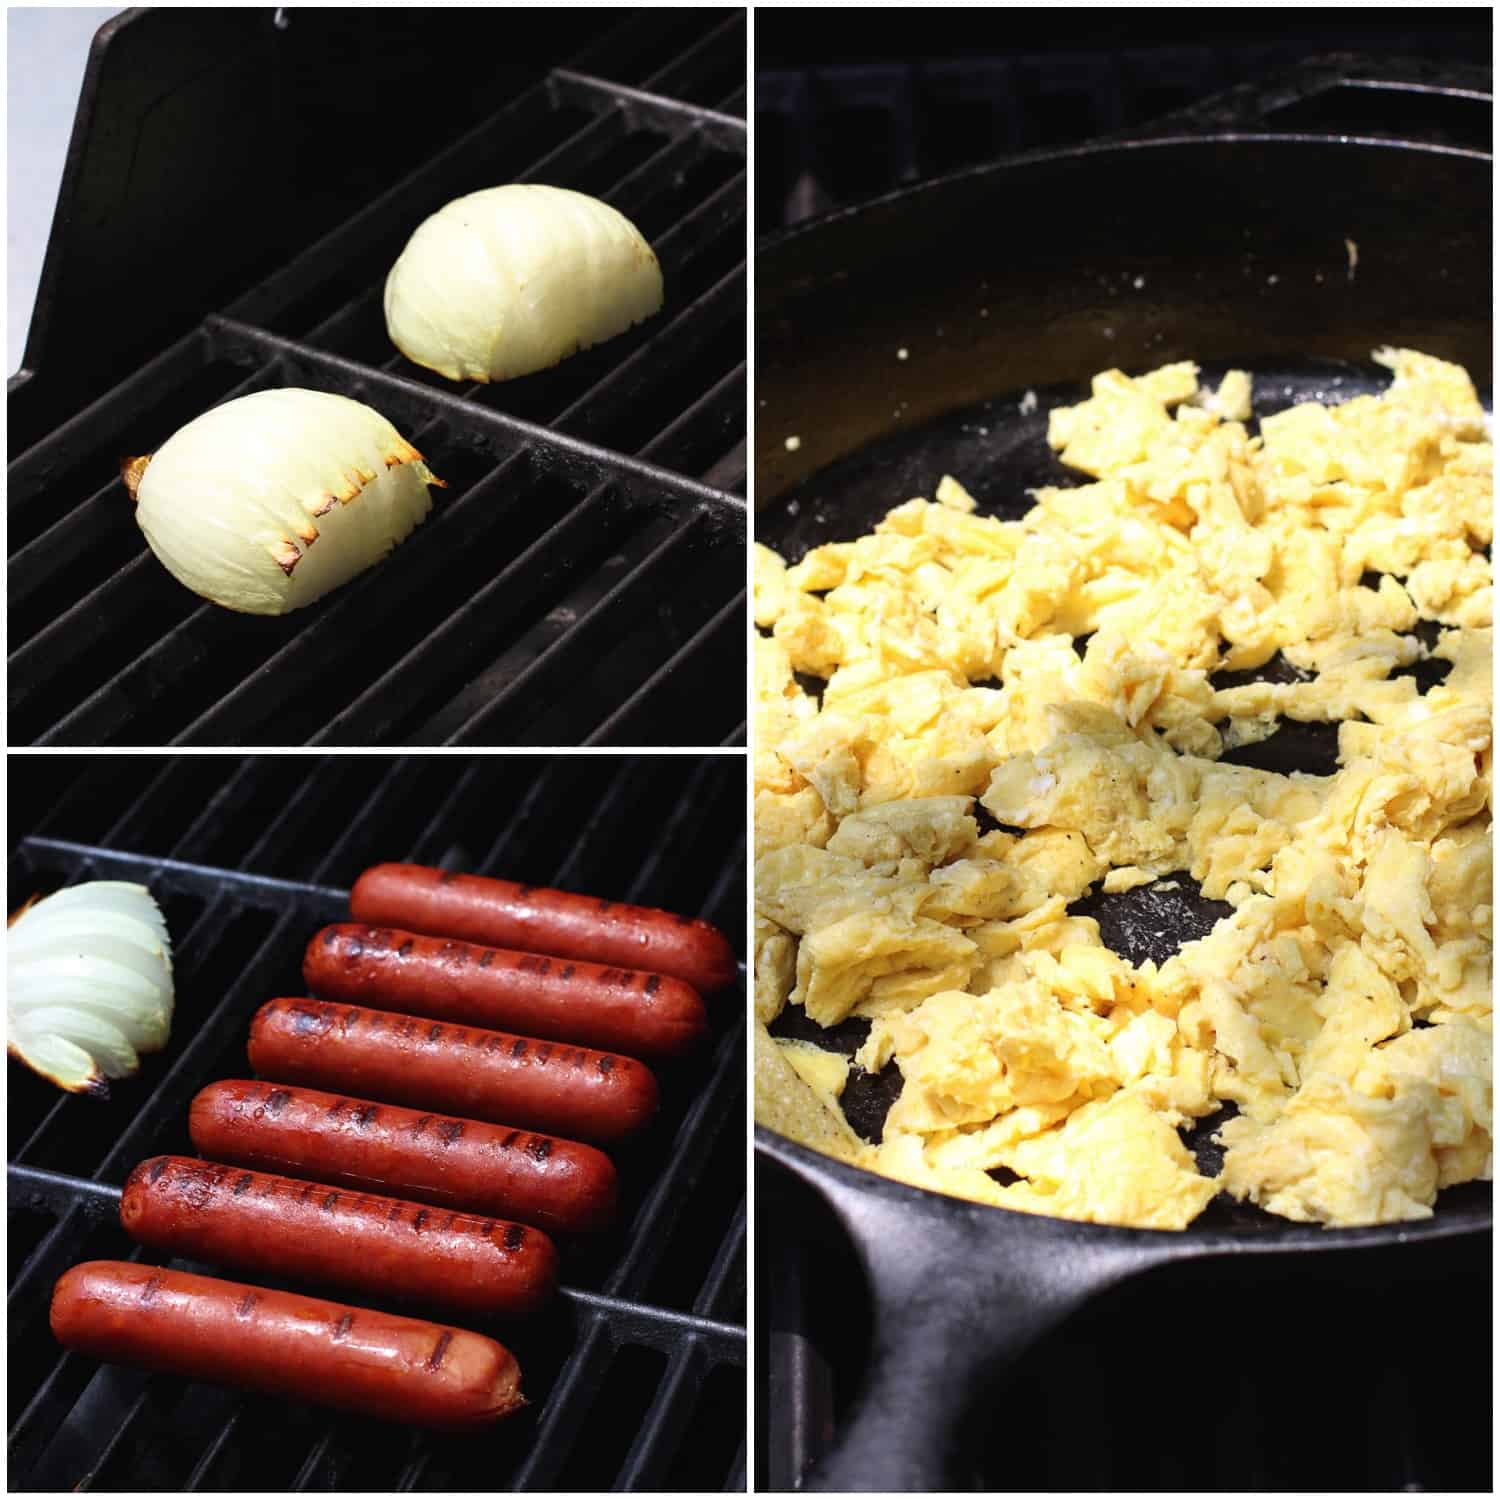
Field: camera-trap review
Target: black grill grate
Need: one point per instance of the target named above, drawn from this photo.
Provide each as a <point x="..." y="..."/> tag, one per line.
<point x="588" y="553"/>
<point x="644" y="1349"/>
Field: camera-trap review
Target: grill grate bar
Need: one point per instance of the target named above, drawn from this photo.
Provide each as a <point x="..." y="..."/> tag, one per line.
<point x="662" y="1428"/>
<point x="430" y="847"/>
<point x="675" y="342"/>
<point x="695" y="1139"/>
<point x="418" y="194"/>
<point x="717" y="410"/>
<point x="116" y="1437"/>
<point x="730" y="1249"/>
<point x="735" y="737"/>
<point x="683" y="814"/>
<point x="646" y="111"/>
<point x="211" y="1454"/>
<point x="266" y="892"/>
<point x="475" y="711"/>
<point x="29" y="472"/>
<point x="514" y="589"/>
<point x="683" y="72"/>
<point x="561" y="453"/>
<point x="423" y="557"/>
<point x="567" y="1403"/>
<point x="640" y="706"/>
<point x="636" y="1322"/>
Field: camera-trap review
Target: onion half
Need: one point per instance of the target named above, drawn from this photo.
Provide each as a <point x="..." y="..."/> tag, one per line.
<point x="266" y="503"/>
<point x="89" y="985"/>
<point x="513" y="279"/>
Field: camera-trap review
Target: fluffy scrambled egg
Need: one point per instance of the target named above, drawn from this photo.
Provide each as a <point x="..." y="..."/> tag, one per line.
<point x="1059" y="672"/>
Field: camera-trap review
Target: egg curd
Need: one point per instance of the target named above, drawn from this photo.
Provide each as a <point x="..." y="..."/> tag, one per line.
<point x="1059" y="671"/>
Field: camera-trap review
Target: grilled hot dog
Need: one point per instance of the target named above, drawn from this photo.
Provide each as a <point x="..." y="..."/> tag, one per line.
<point x="643" y="1015"/>
<point x="462" y="1164"/>
<point x="486" y="1075"/>
<point x="282" y="1344"/>
<point x="281" y="1227"/>
<point x="557" y="923"/>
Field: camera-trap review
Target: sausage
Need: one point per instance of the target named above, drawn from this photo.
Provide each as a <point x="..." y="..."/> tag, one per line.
<point x="281" y="1344"/>
<point x="557" y="923"/>
<point x="486" y="1075"/>
<point x="279" y="1227"/>
<point x="383" y="1148"/>
<point x="643" y="1015"/>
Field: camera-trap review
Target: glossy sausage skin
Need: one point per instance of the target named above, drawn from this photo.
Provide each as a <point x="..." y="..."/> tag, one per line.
<point x="282" y="1344"/>
<point x="381" y="1247"/>
<point x="554" y="1184"/>
<point x="485" y="1075"/>
<point x="531" y="917"/>
<point x="643" y="1015"/>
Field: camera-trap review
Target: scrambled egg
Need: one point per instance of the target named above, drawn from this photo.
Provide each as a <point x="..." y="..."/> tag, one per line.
<point x="1059" y="673"/>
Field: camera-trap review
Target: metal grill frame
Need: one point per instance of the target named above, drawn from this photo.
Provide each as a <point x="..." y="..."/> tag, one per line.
<point x="607" y="1319"/>
<point x="503" y="655"/>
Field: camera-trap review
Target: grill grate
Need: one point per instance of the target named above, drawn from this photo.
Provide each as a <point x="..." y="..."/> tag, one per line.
<point x="645" y="1344"/>
<point x="588" y="553"/>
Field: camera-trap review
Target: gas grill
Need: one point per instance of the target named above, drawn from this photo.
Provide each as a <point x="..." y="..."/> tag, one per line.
<point x="581" y="579"/>
<point x="636" y="1373"/>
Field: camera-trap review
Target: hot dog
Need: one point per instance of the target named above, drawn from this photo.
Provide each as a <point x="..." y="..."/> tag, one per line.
<point x="486" y="1075"/>
<point x="554" y="1184"/>
<point x="643" y="1015"/>
<point x="537" y="920"/>
<point x="282" y="1344"/>
<point x="379" y="1246"/>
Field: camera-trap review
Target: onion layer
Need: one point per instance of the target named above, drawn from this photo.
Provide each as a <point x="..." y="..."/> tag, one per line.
<point x="90" y="983"/>
<point x="513" y="279"/>
<point x="266" y="503"/>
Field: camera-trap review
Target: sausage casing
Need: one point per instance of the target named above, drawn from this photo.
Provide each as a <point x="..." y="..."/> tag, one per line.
<point x="554" y="1184"/>
<point x="299" y="1348"/>
<point x="561" y="924"/>
<point x="278" y="1226"/>
<point x="640" y="1014"/>
<point x="485" y="1075"/>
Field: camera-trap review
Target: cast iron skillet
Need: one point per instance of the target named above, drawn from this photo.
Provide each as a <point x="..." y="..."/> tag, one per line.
<point x="1230" y="236"/>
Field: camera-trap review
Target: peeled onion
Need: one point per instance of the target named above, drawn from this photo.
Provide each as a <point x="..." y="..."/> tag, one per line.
<point x="513" y="279"/>
<point x="89" y="983"/>
<point x="266" y="503"/>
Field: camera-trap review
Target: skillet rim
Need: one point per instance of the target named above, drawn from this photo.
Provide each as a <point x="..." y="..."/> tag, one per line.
<point x="776" y="240"/>
<point x="819" y="1170"/>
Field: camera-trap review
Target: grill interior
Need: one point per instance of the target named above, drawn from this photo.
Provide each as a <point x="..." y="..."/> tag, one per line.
<point x="581" y="580"/>
<point x="636" y="1373"/>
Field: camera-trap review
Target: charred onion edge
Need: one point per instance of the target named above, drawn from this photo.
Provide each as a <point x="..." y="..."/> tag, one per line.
<point x="131" y="471"/>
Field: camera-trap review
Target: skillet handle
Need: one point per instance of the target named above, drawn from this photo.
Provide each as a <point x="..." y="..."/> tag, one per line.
<point x="960" y="1292"/>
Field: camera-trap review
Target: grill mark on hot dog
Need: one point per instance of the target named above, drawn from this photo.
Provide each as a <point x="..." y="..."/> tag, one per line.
<point x="422" y="1123"/>
<point x="606" y="1065"/>
<point x="434" y="1032"/>
<point x="653" y="983"/>
<point x="157" y="1168"/>
<point x="486" y="958"/>
<point x="515" y="1236"/>
<point x="544" y="1052"/>
<point x="276" y="1101"/>
<point x="450" y="1130"/>
<point x="330" y="1202"/>
<point x="419" y="1219"/>
<point x="510" y="1140"/>
<point x="405" y="948"/>
<point x="569" y="971"/>
<point x="440" y="1349"/>
<point x="242" y="1182"/>
<point x="539" y="1148"/>
<point x="518" y="1047"/>
<point x="247" y="1304"/>
<point x="341" y="1328"/>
